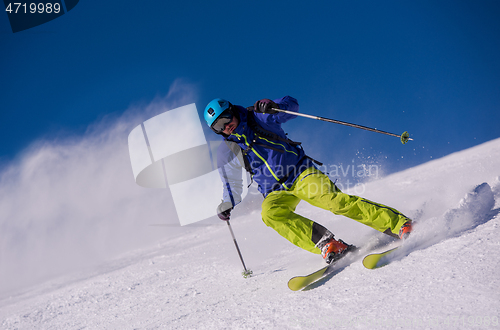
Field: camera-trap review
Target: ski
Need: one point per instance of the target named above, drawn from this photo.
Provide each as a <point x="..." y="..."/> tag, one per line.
<point x="300" y="282"/>
<point x="377" y="260"/>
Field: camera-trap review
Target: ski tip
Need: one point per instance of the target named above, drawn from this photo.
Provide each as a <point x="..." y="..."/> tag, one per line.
<point x="298" y="283"/>
<point x="370" y="261"/>
<point x="376" y="260"/>
<point x="294" y="287"/>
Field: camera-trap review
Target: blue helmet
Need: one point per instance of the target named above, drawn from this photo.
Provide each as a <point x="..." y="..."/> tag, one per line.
<point x="214" y="109"/>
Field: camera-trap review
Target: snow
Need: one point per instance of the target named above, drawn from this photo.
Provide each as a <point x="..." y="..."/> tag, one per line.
<point x="449" y="281"/>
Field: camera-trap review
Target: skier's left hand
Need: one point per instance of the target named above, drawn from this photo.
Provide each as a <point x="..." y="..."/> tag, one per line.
<point x="265" y="106"/>
<point x="224" y="210"/>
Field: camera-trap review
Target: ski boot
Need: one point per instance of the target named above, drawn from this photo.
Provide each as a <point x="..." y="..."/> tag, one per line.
<point x="405" y="230"/>
<point x="332" y="249"/>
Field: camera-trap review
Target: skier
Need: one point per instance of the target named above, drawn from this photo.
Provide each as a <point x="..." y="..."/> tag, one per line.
<point x="253" y="139"/>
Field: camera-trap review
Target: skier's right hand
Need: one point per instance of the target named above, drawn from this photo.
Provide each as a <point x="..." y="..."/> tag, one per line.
<point x="224" y="210"/>
<point x="265" y="106"/>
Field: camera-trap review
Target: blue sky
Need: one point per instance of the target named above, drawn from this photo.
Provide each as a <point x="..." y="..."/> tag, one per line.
<point x="429" y="67"/>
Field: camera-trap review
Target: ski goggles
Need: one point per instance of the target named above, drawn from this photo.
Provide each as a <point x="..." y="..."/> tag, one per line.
<point x="220" y="123"/>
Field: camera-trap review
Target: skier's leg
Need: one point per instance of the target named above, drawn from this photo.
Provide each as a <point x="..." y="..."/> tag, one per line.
<point x="316" y="188"/>
<point x="278" y="212"/>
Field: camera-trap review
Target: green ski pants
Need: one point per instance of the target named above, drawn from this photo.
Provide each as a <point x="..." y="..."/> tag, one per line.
<point x="314" y="187"/>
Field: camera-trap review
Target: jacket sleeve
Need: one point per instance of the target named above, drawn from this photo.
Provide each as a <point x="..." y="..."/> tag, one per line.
<point x="230" y="171"/>
<point x="285" y="103"/>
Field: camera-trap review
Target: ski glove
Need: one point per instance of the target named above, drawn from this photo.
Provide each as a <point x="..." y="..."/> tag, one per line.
<point x="224" y="210"/>
<point x="265" y="106"/>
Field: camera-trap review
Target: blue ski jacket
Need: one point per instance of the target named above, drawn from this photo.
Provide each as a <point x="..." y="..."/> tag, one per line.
<point x="274" y="164"/>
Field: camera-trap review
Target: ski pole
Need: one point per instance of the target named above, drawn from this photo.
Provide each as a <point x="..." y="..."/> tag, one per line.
<point x="247" y="272"/>
<point x="405" y="137"/>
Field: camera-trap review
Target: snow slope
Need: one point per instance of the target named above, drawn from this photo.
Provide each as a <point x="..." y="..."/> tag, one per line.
<point x="194" y="281"/>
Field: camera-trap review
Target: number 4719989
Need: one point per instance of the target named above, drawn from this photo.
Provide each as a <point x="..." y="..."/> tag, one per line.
<point x="33" y="8"/>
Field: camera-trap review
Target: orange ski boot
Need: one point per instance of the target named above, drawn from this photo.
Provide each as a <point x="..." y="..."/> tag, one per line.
<point x="332" y="250"/>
